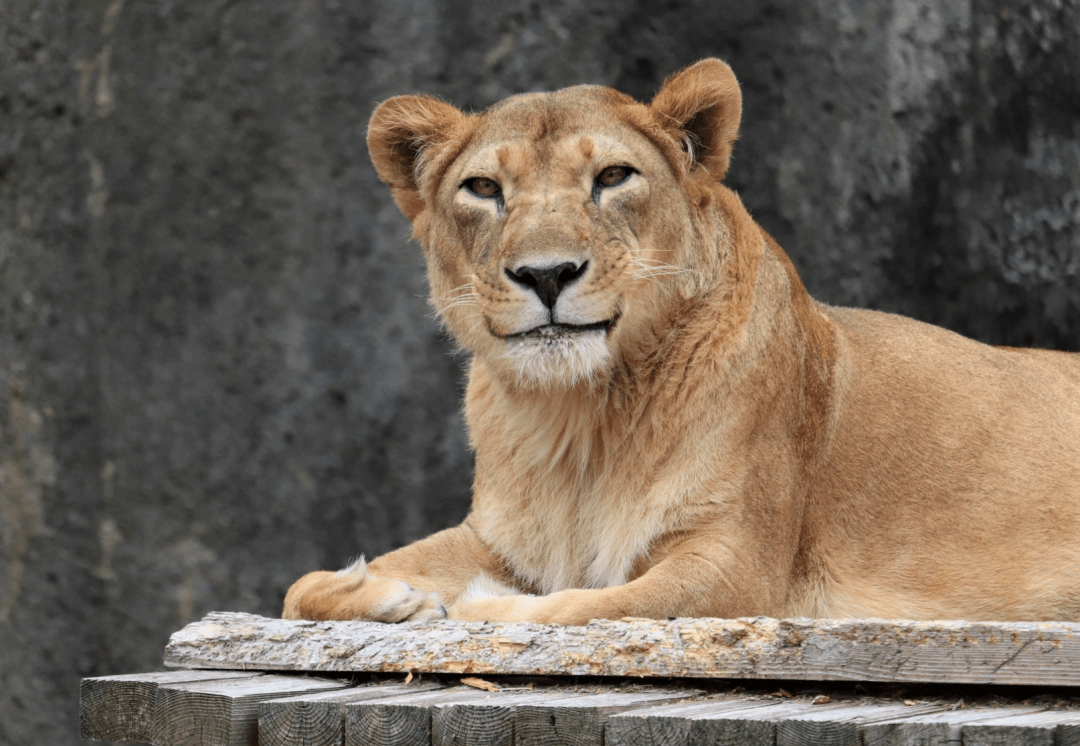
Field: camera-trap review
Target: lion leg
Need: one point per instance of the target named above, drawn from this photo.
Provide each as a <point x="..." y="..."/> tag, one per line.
<point x="410" y="584"/>
<point x="686" y="585"/>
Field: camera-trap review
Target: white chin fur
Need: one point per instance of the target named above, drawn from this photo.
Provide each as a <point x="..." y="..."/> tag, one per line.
<point x="552" y="359"/>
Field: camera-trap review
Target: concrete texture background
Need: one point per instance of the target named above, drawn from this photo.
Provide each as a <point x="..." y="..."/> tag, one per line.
<point x="217" y="367"/>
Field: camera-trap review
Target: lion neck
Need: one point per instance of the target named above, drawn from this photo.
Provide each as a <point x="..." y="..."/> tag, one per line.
<point x="635" y="404"/>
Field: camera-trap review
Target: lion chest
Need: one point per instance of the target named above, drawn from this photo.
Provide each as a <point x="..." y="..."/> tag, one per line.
<point x="556" y="539"/>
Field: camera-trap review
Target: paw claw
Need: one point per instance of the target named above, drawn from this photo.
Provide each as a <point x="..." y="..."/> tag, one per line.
<point x="429" y="614"/>
<point x="406" y="604"/>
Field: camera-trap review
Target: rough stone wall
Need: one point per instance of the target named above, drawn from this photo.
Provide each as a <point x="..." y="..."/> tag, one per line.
<point x="217" y="367"/>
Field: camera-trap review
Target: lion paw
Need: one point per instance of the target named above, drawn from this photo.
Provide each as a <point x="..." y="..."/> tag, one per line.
<point x="354" y="593"/>
<point x="488" y="600"/>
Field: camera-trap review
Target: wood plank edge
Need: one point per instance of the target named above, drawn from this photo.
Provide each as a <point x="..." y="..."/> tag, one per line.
<point x="1021" y="653"/>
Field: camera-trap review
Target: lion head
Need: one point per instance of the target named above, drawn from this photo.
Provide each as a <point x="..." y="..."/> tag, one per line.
<point x="546" y="218"/>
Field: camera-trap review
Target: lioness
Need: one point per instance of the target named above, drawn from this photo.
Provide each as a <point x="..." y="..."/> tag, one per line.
<point x="667" y="425"/>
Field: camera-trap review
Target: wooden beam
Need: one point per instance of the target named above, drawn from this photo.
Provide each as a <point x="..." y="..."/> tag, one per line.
<point x="407" y="720"/>
<point x="676" y="725"/>
<point x="319" y="719"/>
<point x="581" y="720"/>
<point x="299" y="709"/>
<point x="752" y="726"/>
<point x="223" y="713"/>
<point x="459" y="714"/>
<point x="783" y="723"/>
<point x="121" y="708"/>
<point x="489" y="720"/>
<point x="553" y="716"/>
<point x="842" y="724"/>
<point x="1050" y="728"/>
<point x="1068" y="734"/>
<point x="1043" y="653"/>
<point x="940" y="727"/>
<point x="735" y="720"/>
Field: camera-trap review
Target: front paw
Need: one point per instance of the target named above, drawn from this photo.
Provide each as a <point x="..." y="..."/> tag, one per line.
<point x="487" y="600"/>
<point x="354" y="593"/>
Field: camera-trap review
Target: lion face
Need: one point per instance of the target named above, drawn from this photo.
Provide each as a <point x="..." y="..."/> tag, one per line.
<point x="549" y="238"/>
<point x="556" y="226"/>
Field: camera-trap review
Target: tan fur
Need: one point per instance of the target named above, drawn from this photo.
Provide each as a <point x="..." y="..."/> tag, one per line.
<point x="729" y="446"/>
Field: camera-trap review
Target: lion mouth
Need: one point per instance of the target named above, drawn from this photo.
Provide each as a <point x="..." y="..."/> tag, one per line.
<point x="563" y="331"/>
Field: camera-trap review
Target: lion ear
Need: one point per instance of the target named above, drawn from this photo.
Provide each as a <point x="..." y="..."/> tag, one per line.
<point x="704" y="104"/>
<point x="401" y="132"/>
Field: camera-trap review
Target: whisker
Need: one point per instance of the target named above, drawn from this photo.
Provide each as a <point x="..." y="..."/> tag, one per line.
<point x="471" y="316"/>
<point x="455" y="304"/>
<point x="645" y="268"/>
<point x="651" y="263"/>
<point x="463" y="294"/>
<point x="655" y="275"/>
<point x="649" y="270"/>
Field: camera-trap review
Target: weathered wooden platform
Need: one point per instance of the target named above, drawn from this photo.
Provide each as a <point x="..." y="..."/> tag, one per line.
<point x="633" y="682"/>
<point x="214" y="708"/>
<point x="1042" y="654"/>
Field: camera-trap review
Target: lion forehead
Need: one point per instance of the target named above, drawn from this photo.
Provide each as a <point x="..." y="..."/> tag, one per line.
<point x="599" y="121"/>
<point x="579" y="98"/>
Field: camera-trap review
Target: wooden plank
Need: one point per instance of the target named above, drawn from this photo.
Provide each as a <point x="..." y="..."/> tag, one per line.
<point x="222" y="713"/>
<point x="672" y="725"/>
<point x="485" y="721"/>
<point x="731" y="721"/>
<point x="121" y="708"/>
<point x="319" y="719"/>
<point x="117" y="707"/>
<point x="936" y="728"/>
<point x="1045" y="653"/>
<point x="403" y="720"/>
<point x="1035" y="729"/>
<point x="750" y="726"/>
<point x="1068" y="734"/>
<point x="581" y="721"/>
<point x="842" y="725"/>
<point x="459" y="715"/>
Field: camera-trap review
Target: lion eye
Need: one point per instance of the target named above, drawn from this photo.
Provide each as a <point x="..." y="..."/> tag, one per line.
<point x="613" y="175"/>
<point x="483" y="187"/>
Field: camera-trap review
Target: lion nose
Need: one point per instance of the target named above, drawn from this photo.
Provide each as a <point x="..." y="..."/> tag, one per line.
<point x="548" y="282"/>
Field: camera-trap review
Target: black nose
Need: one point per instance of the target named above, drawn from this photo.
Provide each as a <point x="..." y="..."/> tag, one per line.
<point x="547" y="283"/>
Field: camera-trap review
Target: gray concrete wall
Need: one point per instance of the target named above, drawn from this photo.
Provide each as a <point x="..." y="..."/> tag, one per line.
<point x="217" y="368"/>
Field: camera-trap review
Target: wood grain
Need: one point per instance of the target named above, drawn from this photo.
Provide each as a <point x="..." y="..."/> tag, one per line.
<point x="1068" y="734"/>
<point x="936" y="728"/>
<point x="1029" y="653"/>
<point x="1038" y="729"/>
<point x="754" y="726"/>
<point x="222" y="713"/>
<point x="677" y="725"/>
<point x="121" y="708"/>
<point x="318" y="719"/>
<point x="840" y="725"/>
<point x="191" y="708"/>
<point x="404" y="720"/>
<point x="581" y="720"/>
